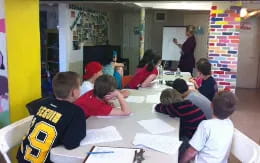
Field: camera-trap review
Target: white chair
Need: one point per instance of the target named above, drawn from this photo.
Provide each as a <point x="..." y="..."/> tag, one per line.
<point x="12" y="135"/>
<point x="244" y="148"/>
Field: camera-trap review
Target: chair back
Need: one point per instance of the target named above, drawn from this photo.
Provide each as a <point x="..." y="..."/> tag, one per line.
<point x="244" y="148"/>
<point x="126" y="80"/>
<point x="12" y="135"/>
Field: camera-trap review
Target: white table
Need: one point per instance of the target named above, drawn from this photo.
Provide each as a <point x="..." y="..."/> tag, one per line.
<point x="127" y="127"/>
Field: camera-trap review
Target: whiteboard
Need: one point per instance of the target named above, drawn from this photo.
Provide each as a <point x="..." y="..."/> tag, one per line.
<point x="170" y="51"/>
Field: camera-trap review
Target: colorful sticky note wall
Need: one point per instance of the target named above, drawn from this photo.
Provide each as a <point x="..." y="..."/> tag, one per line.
<point x="224" y="31"/>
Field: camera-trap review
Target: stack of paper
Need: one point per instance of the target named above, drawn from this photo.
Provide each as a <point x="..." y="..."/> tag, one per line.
<point x="115" y="155"/>
<point x="135" y="99"/>
<point x="156" y="126"/>
<point x="155" y="99"/>
<point x="107" y="134"/>
<point x="165" y="144"/>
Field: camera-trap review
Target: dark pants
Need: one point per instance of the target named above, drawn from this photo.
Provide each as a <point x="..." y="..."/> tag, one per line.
<point x="183" y="147"/>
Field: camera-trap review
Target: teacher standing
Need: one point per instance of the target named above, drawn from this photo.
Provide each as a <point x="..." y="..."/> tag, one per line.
<point x="187" y="60"/>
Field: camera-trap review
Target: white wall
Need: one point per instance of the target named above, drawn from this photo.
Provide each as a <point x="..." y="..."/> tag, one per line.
<point x="249" y="55"/>
<point x="130" y="40"/>
<point x="153" y="32"/>
<point x="174" y="18"/>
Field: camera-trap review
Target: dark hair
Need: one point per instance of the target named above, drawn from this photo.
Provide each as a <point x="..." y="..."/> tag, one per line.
<point x="148" y="56"/>
<point x="151" y="65"/>
<point x="201" y="61"/>
<point x="180" y="85"/>
<point x="64" y="82"/>
<point x="107" y="59"/>
<point x="204" y="68"/>
<point x="170" y="96"/>
<point x="224" y="104"/>
<point x="103" y="85"/>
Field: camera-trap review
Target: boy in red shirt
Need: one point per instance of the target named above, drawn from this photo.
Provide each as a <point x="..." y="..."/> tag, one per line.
<point x="96" y="102"/>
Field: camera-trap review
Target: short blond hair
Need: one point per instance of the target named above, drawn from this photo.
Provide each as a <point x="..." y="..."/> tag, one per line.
<point x="170" y="96"/>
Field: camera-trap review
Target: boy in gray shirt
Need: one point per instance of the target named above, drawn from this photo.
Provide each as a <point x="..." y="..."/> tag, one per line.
<point x="194" y="96"/>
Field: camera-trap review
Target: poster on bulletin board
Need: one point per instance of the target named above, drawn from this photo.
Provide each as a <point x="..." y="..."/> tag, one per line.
<point x="89" y="27"/>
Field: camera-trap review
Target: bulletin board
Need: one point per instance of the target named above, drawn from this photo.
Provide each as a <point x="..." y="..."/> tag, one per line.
<point x="89" y="27"/>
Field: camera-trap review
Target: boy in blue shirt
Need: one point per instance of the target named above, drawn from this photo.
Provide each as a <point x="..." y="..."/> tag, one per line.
<point x="208" y="87"/>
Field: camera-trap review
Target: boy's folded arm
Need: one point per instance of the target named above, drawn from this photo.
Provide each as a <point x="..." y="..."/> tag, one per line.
<point x="118" y="112"/>
<point x="75" y="132"/>
<point x="125" y="110"/>
<point x="188" y="155"/>
<point x="148" y="80"/>
<point x="166" y="109"/>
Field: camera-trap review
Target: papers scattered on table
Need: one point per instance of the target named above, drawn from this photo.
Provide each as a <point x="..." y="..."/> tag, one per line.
<point x="160" y="87"/>
<point x="165" y="144"/>
<point x="135" y="99"/>
<point x="115" y="155"/>
<point x="156" y="126"/>
<point x="107" y="134"/>
<point x="155" y="99"/>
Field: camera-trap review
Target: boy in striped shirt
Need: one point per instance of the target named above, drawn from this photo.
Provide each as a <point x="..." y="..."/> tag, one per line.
<point x="174" y="105"/>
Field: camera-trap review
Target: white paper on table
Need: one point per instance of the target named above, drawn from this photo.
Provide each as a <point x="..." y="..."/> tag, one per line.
<point x="101" y="135"/>
<point x="153" y="108"/>
<point x="155" y="99"/>
<point x="165" y="144"/>
<point x="119" y="155"/>
<point x="135" y="99"/>
<point x="156" y="126"/>
<point x="160" y="87"/>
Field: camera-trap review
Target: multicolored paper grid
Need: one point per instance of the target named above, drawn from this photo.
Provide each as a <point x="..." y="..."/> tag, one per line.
<point x="224" y="37"/>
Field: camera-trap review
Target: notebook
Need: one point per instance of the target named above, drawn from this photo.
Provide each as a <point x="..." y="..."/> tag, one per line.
<point x="100" y="154"/>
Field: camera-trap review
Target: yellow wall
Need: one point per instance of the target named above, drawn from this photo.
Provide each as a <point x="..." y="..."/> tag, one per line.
<point x="23" y="52"/>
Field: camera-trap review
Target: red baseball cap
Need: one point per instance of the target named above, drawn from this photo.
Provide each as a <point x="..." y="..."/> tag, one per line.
<point x="91" y="68"/>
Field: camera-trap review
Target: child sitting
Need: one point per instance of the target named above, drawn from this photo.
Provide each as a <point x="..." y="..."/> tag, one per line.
<point x="174" y="105"/>
<point x="209" y="86"/>
<point x="92" y="71"/>
<point x="57" y="122"/>
<point x="212" y="140"/>
<point x="148" y="56"/>
<point x="146" y="75"/>
<point x="96" y="102"/>
<point x="194" y="96"/>
<point x="113" y="68"/>
<point x="199" y="79"/>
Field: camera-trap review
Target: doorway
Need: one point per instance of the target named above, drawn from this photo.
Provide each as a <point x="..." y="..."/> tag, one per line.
<point x="249" y="54"/>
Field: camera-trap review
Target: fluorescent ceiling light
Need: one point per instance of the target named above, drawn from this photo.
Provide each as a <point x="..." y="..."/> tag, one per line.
<point x="177" y="5"/>
<point x="243" y="12"/>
